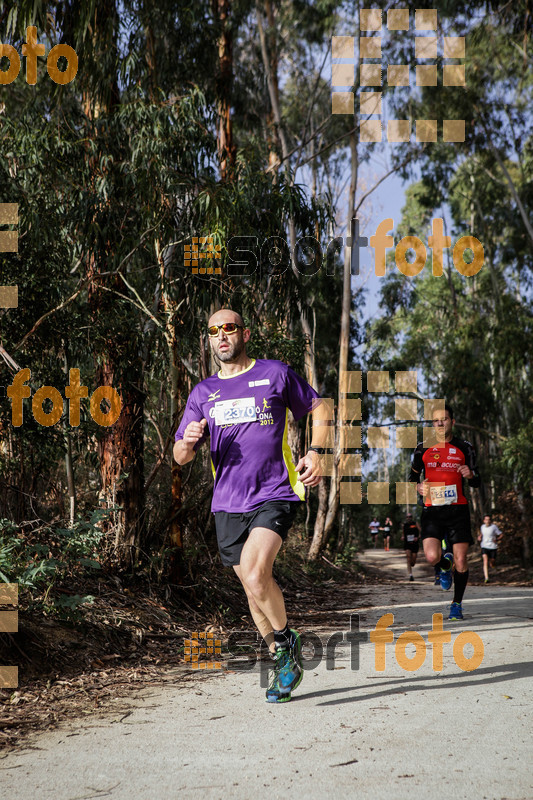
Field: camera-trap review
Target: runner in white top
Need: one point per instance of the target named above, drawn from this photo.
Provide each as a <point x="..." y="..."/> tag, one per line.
<point x="489" y="536"/>
<point x="374" y="530"/>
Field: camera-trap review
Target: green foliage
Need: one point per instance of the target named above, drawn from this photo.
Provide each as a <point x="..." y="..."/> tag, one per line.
<point x="517" y="455"/>
<point x="44" y="563"/>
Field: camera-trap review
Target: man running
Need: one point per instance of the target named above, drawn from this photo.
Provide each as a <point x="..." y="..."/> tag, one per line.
<point x="257" y="489"/>
<point x="489" y="536"/>
<point x="446" y="514"/>
<point x="411" y="535"/>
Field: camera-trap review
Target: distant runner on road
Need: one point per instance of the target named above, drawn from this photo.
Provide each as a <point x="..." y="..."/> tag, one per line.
<point x="446" y="514"/>
<point x="374" y="530"/>
<point x="257" y="488"/>
<point x="387" y="526"/>
<point x="411" y="535"/>
<point x="489" y="536"/>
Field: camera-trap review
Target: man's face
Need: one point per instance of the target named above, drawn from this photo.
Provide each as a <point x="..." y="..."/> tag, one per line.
<point x="443" y="425"/>
<point x="486" y="520"/>
<point x="227" y="347"/>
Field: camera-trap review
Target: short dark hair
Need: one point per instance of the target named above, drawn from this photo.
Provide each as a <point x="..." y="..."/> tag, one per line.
<point x="449" y="409"/>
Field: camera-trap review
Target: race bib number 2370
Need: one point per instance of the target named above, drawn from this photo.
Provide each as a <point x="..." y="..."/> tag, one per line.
<point x="236" y="411"/>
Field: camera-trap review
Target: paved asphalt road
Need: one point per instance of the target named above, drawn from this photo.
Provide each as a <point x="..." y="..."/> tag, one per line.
<point x="384" y="735"/>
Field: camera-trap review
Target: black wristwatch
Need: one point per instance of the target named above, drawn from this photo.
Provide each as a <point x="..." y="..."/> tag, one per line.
<point x="319" y="450"/>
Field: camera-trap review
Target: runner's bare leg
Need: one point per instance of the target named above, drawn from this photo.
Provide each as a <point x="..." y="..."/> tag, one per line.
<point x="432" y="550"/>
<point x="460" y="551"/>
<point x="257" y="558"/>
<point x="486" y="566"/>
<point x="261" y="621"/>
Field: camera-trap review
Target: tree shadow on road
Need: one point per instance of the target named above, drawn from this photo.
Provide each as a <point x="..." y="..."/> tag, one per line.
<point x="483" y="676"/>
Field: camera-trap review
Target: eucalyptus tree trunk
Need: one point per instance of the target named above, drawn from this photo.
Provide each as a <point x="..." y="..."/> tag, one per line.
<point x="326" y="517"/>
<point x="270" y="62"/>
<point x="270" y="65"/>
<point x="224" y="80"/>
<point x="169" y="307"/>
<point x="69" y="468"/>
<point x="120" y="446"/>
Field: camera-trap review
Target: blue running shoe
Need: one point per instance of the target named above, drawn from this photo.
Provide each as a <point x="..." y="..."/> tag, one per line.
<point x="456" y="611"/>
<point x="437" y="580"/>
<point x="287" y="673"/>
<point x="446" y="576"/>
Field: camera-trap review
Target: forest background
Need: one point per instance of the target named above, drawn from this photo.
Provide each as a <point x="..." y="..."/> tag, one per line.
<point x="213" y="119"/>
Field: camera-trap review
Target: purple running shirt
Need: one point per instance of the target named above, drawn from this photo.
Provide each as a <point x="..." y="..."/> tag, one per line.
<point x="247" y="419"/>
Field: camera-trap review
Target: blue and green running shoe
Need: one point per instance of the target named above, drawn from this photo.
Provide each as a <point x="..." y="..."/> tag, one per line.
<point x="446" y="576"/>
<point x="456" y="611"/>
<point x="287" y="673"/>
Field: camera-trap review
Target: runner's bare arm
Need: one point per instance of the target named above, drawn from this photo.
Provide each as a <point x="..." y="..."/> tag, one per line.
<point x="414" y="477"/>
<point x="312" y="474"/>
<point x="184" y="448"/>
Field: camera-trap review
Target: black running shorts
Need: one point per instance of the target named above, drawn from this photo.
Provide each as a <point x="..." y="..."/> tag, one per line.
<point x="233" y="529"/>
<point x="412" y="546"/>
<point x="490" y="552"/>
<point x="452" y="522"/>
